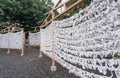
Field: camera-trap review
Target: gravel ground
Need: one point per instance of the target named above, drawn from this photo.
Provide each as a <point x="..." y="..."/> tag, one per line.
<point x="29" y="66"/>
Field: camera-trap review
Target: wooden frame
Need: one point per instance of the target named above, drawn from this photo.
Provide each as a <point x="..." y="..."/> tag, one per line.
<point x="29" y="41"/>
<point x="10" y="29"/>
<point x="49" y="14"/>
<point x="46" y="22"/>
<point x="35" y="29"/>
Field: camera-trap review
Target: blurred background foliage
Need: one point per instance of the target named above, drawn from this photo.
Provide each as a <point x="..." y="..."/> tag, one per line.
<point x="30" y="13"/>
<point x="27" y="13"/>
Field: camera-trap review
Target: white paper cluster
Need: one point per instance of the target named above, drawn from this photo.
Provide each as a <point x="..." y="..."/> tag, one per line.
<point x="86" y="42"/>
<point x="46" y="39"/>
<point x="16" y="40"/>
<point x="4" y="40"/>
<point x="12" y="40"/>
<point x="34" y="39"/>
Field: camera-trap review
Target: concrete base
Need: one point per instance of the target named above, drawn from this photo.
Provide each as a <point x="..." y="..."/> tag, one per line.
<point x="40" y="55"/>
<point x="8" y="52"/>
<point x="53" y="68"/>
<point x="22" y="54"/>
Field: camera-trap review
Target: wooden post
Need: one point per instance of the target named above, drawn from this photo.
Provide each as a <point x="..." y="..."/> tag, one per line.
<point x="61" y="8"/>
<point x="65" y="7"/>
<point x="35" y="28"/>
<point x="40" y="54"/>
<point x="23" y="41"/>
<point x="8" y="41"/>
<point x="29" y="40"/>
<point x="53" y="67"/>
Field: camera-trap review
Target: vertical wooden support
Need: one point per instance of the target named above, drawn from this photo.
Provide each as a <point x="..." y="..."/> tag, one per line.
<point x="61" y="9"/>
<point x="53" y="67"/>
<point x="35" y="29"/>
<point x="23" y="40"/>
<point x="29" y="40"/>
<point x="40" y="53"/>
<point x="65" y="7"/>
<point x="8" y="41"/>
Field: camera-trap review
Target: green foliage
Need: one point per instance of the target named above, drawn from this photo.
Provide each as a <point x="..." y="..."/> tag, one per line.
<point x="27" y="13"/>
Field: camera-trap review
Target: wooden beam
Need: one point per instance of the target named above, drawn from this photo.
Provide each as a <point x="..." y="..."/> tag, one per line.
<point x="58" y="3"/>
<point x="53" y="46"/>
<point x="46" y="24"/>
<point x="67" y="9"/>
<point x="55" y="8"/>
<point x="7" y="28"/>
<point x="61" y="5"/>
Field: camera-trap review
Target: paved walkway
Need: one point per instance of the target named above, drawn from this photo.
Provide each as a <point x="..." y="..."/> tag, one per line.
<point x="29" y="66"/>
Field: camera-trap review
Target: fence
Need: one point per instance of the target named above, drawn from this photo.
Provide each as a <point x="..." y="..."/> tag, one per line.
<point x="34" y="38"/>
<point x="13" y="39"/>
<point x="87" y="44"/>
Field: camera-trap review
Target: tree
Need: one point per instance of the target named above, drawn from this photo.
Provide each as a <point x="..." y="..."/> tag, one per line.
<point x="27" y="13"/>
